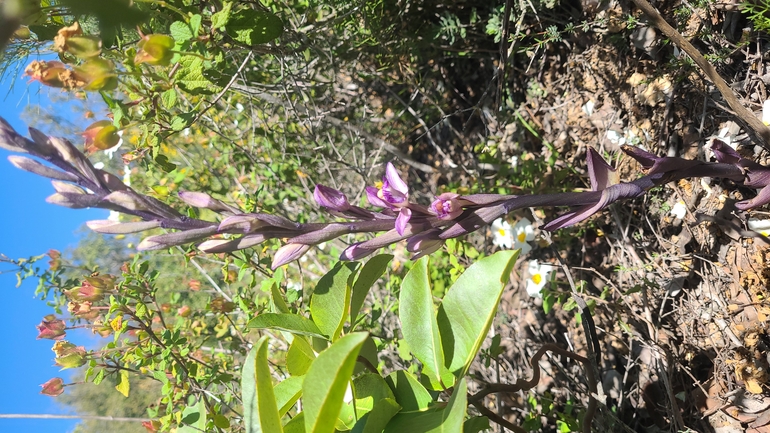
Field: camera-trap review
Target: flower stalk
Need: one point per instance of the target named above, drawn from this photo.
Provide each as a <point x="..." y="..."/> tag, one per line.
<point x="79" y="184"/>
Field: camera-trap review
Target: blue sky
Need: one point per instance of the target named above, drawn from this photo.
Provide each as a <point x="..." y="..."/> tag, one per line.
<point x="30" y="226"/>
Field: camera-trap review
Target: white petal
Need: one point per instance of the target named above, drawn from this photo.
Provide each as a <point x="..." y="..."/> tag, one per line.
<point x="679" y="210"/>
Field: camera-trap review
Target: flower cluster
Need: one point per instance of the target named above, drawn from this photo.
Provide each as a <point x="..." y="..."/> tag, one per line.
<point x="393" y="216"/>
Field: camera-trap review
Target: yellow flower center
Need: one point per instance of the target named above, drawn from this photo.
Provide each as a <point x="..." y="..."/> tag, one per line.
<point x="378" y="184"/>
<point x="501" y="231"/>
<point x="537" y="278"/>
<point x="522" y="237"/>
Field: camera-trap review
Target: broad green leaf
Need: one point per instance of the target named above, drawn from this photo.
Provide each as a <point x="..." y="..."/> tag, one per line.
<point x="286" y="322"/>
<point x="476" y="424"/>
<point x="376" y="420"/>
<point x="220" y="18"/>
<point x="169" y="98"/>
<point x="368" y="389"/>
<point x="123" y="386"/>
<point x="330" y="301"/>
<point x="253" y="27"/>
<point x="296" y="424"/>
<point x="370" y="273"/>
<point x="194" y="418"/>
<point x="326" y="381"/>
<point x="418" y="318"/>
<point x="195" y="23"/>
<point x="260" y="410"/>
<point x="190" y="76"/>
<point x="180" y="31"/>
<point x="288" y="392"/>
<point x="279" y="305"/>
<point x="469" y="306"/>
<point x="409" y="393"/>
<point x="369" y="352"/>
<point x="221" y="421"/>
<point x="299" y="357"/>
<point x="447" y="420"/>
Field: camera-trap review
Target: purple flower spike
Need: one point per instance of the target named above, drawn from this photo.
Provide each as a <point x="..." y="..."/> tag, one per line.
<point x="446" y="206"/>
<point x="403" y="219"/>
<point x="602" y="174"/>
<point x="330" y="198"/>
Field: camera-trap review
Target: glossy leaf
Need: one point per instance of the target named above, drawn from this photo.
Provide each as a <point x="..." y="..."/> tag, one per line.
<point x="292" y="323"/>
<point x="287" y="393"/>
<point x="376" y="420"/>
<point x="299" y="357"/>
<point x="325" y="383"/>
<point x="279" y="305"/>
<point x="123" y="386"/>
<point x="368" y="389"/>
<point x="370" y="273"/>
<point x="409" y="393"/>
<point x="330" y="301"/>
<point x="418" y="318"/>
<point x="446" y="420"/>
<point x="476" y="424"/>
<point x="260" y="410"/>
<point x="296" y="424"/>
<point x="469" y="306"/>
<point x="194" y="418"/>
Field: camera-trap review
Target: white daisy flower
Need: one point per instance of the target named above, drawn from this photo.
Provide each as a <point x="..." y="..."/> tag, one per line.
<point x="538" y="276"/>
<point x="679" y="210"/>
<point x="513" y="161"/>
<point x="502" y="233"/>
<point x="523" y="232"/>
<point x="760" y="226"/>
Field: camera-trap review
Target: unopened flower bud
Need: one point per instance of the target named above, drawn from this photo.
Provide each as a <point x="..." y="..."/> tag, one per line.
<point x="155" y="50"/>
<point x="71" y="39"/>
<point x="53" y="388"/>
<point x="221" y="305"/>
<point x="99" y="74"/>
<point x="101" y="135"/>
<point x="51" y="329"/>
<point x="288" y="253"/>
<point x="54" y="74"/>
<point x="184" y="311"/>
<point x="330" y="198"/>
<point x="68" y="355"/>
